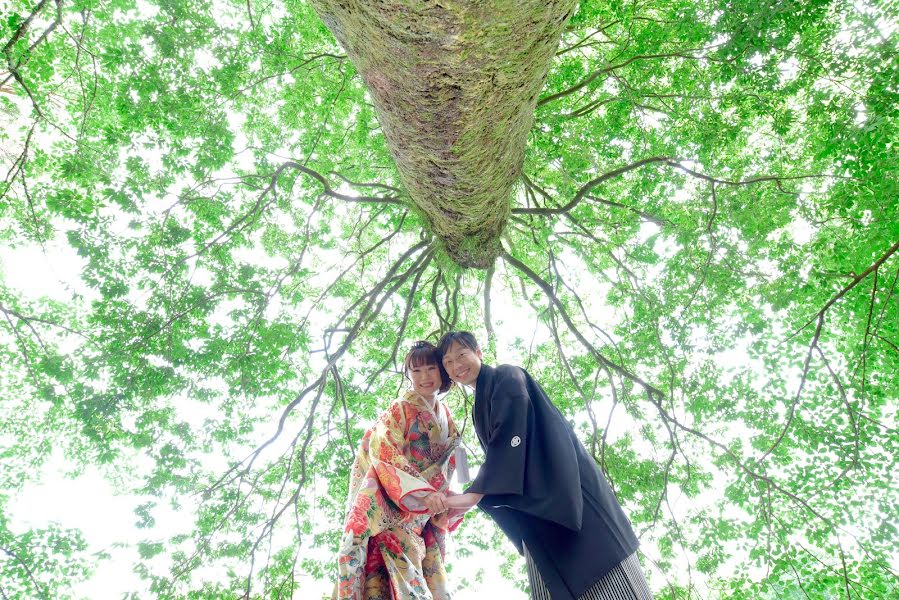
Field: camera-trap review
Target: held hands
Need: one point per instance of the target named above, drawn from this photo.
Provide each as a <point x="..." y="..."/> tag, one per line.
<point x="439" y="502"/>
<point x="463" y="501"/>
<point x="436" y="503"/>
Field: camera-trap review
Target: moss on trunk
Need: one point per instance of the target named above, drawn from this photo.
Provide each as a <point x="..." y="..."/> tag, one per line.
<point x="455" y="84"/>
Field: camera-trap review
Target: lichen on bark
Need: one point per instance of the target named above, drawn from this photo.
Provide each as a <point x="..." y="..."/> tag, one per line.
<point x="455" y="84"/>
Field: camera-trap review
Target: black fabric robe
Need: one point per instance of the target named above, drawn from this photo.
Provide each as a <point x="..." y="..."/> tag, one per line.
<point x="542" y="487"/>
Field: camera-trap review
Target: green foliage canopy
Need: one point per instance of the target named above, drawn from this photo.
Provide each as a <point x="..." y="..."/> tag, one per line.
<point x="701" y="266"/>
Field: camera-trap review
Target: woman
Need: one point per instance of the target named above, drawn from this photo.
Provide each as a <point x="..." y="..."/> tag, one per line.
<point x="393" y="542"/>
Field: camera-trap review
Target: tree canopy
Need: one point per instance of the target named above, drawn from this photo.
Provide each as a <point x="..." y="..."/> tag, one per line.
<point x="700" y="265"/>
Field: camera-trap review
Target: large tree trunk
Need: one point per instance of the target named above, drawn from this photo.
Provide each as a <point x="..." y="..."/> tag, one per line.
<point x="455" y="84"/>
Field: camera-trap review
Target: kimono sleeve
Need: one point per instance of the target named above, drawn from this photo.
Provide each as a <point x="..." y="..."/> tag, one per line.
<point x="503" y="471"/>
<point x="531" y="463"/>
<point x="401" y="480"/>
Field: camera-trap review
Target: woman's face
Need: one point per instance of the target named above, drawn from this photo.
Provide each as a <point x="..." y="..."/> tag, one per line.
<point x="425" y="379"/>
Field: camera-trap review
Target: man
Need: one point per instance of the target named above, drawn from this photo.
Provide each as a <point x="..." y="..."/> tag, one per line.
<point x="542" y="487"/>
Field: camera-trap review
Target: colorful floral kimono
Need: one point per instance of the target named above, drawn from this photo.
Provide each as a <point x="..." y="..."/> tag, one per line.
<point x="392" y="548"/>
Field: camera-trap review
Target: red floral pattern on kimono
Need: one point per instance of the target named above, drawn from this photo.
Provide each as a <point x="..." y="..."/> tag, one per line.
<point x="392" y="548"/>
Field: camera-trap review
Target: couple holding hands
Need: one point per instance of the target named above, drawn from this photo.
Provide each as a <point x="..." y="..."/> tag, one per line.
<point x="537" y="482"/>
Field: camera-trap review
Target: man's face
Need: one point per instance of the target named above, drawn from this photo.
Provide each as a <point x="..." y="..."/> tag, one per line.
<point x="462" y="364"/>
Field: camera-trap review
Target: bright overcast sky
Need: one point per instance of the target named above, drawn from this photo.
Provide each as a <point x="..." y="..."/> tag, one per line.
<point x="106" y="517"/>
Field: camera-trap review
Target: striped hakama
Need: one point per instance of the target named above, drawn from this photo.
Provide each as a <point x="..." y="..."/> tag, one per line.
<point x="624" y="582"/>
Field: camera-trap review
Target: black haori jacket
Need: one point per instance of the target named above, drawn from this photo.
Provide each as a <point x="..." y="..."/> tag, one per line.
<point x="542" y="487"/>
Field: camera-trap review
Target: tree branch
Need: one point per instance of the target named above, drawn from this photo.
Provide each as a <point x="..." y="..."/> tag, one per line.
<point x="585" y="189"/>
<point x="21" y="31"/>
<point x="488" y="319"/>
<point x="12" y="554"/>
<point x="543" y="285"/>
<point x="584" y="40"/>
<point x="360" y="258"/>
<point x="410" y="303"/>
<point x="664" y="160"/>
<point x="858" y="279"/>
<point x="259" y="206"/>
<point x="370" y="311"/>
<point x="802" y="382"/>
<point x="608" y="69"/>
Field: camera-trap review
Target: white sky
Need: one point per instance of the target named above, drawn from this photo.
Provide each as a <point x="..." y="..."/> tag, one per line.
<point x="91" y="504"/>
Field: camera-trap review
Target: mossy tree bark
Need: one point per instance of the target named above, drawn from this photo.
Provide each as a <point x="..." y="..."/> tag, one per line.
<point x="455" y="84"/>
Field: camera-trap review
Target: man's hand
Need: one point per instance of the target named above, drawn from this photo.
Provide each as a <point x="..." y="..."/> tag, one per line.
<point x="456" y="512"/>
<point x="464" y="501"/>
<point x="436" y="503"/>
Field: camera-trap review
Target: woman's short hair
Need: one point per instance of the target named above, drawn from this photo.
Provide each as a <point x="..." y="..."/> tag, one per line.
<point x="422" y="353"/>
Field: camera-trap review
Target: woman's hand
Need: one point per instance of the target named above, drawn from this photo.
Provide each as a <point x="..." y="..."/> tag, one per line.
<point x="436" y="503"/>
<point x="464" y="501"/>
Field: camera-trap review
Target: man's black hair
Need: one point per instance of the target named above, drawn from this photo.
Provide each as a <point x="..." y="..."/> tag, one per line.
<point x="464" y="338"/>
